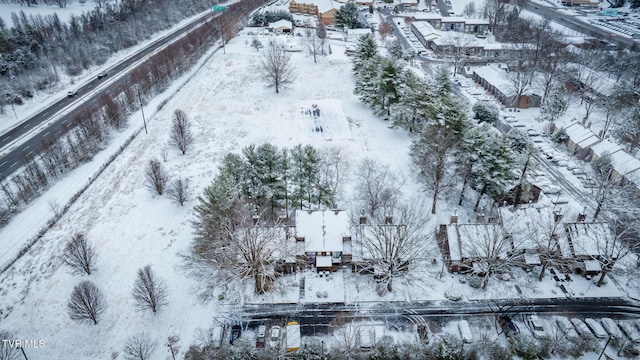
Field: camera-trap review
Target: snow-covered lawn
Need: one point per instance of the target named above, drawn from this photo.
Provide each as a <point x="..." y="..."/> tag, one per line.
<point x="130" y="227"/>
<point x="229" y="108"/>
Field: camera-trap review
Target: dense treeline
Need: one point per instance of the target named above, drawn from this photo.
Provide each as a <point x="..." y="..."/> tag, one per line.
<point x="35" y="50"/>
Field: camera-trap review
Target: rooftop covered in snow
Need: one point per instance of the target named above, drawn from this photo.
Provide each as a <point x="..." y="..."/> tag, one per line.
<point x="322" y="230"/>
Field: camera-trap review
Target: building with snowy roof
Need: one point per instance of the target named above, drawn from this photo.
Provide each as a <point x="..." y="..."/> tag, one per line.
<point x="281" y="26"/>
<point x="495" y="80"/>
<point x="325" y="10"/>
<point x="522" y="236"/>
<point x="452" y="23"/>
<point x="581" y="139"/>
<point x="323" y="237"/>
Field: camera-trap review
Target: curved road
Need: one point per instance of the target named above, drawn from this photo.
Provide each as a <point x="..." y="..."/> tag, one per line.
<point x="13" y="157"/>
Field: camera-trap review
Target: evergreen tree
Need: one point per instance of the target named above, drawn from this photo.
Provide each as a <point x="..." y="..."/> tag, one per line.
<point x="307" y="187"/>
<point x="366" y="50"/>
<point x="454" y="114"/>
<point x="347" y="16"/>
<point x="415" y="106"/>
<point x="634" y="4"/>
<point x="492" y="158"/>
<point x="396" y="49"/>
<point x="555" y="106"/>
<point x="388" y="84"/>
<point x="367" y="80"/>
<point x="272" y="192"/>
<point x="442" y="81"/>
<point x="484" y="112"/>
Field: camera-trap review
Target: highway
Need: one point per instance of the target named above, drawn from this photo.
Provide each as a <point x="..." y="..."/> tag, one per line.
<point x="55" y="120"/>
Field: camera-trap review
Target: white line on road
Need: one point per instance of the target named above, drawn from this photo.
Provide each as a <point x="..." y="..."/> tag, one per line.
<point x="46" y="134"/>
<point x="14" y="164"/>
<point x="3" y="163"/>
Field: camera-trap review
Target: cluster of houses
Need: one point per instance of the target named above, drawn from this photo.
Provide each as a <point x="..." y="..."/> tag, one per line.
<point x="327" y="240"/>
<point x="584" y="144"/>
<point x="525" y="237"/>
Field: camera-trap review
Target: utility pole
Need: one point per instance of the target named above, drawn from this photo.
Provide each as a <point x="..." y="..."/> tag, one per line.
<point x="23" y="353"/>
<point x="605" y="347"/>
<point x="142" y="110"/>
<point x="219" y="8"/>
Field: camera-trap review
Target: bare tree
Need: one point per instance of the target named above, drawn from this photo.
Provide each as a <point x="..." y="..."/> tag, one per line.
<point x="469" y="10"/>
<point x="431" y="153"/>
<point x="179" y="191"/>
<point x="544" y="229"/>
<point x="149" y="291"/>
<point x="520" y="77"/>
<point x="613" y="240"/>
<point x="390" y="249"/>
<point x="346" y="337"/>
<point x="334" y="169"/>
<point x="385" y="29"/>
<point x="457" y="49"/>
<point x="8" y="352"/>
<point x="239" y="251"/>
<point x="628" y="127"/>
<point x="276" y="67"/>
<point x="156" y="177"/>
<point x="377" y="189"/>
<point x="608" y="188"/>
<point x="490" y="247"/>
<point x="313" y="44"/>
<point x="79" y="255"/>
<point x="139" y="347"/>
<point x="181" y="136"/>
<point x="494" y="11"/>
<point x="86" y="303"/>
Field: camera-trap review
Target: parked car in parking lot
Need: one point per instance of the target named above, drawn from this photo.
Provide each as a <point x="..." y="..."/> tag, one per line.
<point x="596" y="328"/>
<point x="260" y="336"/>
<point x="510" y="329"/>
<point x="612" y="328"/>
<point x="629" y="331"/>
<point x="465" y="331"/>
<point x="581" y="328"/>
<point x="565" y="326"/>
<point x="236" y="332"/>
<point x="537" y="328"/>
<point x="274" y="337"/>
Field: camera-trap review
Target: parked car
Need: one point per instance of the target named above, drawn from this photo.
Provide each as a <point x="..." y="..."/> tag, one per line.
<point x="612" y="328"/>
<point x="260" y="336"/>
<point x="581" y="328"/>
<point x="236" y="332"/>
<point x="274" y="337"/>
<point x="510" y="329"/>
<point x="102" y="74"/>
<point x="465" y="331"/>
<point x="72" y="93"/>
<point x="629" y="331"/>
<point x="537" y="328"/>
<point x="596" y="328"/>
<point x="566" y="327"/>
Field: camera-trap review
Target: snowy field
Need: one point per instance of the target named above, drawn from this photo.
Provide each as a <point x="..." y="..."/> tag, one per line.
<point x="229" y="108"/>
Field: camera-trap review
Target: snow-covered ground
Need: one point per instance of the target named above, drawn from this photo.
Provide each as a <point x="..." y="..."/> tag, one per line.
<point x="229" y="108"/>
